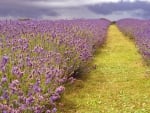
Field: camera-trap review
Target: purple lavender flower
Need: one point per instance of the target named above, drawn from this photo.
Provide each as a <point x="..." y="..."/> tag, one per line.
<point x="48" y="111"/>
<point x="54" y="97"/>
<point x="5" y="60"/>
<point x="30" y="100"/>
<point x="16" y="71"/>
<point x="36" y="86"/>
<point x="54" y="110"/>
<point x="5" y="94"/>
<point x="4" y="111"/>
<point x="4" y="79"/>
<point x="23" y="107"/>
<point x="60" y="90"/>
<point x="14" y="86"/>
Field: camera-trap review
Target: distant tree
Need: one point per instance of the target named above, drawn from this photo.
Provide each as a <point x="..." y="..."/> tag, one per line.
<point x="24" y="19"/>
<point x="113" y="22"/>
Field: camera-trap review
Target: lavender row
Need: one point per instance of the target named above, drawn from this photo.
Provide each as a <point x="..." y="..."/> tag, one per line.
<point x="140" y="31"/>
<point x="38" y="57"/>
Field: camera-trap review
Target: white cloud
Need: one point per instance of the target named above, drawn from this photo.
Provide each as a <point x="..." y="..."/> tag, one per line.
<point x="70" y="3"/>
<point x="64" y="9"/>
<point x="74" y="3"/>
<point x="83" y="12"/>
<point x="7" y="17"/>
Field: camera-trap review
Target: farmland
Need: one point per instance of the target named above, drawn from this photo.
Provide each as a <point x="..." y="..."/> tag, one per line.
<point x="37" y="57"/>
<point x="74" y="66"/>
<point x="119" y="83"/>
<point x="139" y="30"/>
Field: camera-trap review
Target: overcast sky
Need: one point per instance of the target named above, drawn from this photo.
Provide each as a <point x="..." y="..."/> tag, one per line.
<point x="70" y="9"/>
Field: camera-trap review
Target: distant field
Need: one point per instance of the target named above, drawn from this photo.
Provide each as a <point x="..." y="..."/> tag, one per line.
<point x="139" y="30"/>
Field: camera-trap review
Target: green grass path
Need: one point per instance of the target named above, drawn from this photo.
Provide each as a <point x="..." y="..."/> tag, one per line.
<point x="119" y="84"/>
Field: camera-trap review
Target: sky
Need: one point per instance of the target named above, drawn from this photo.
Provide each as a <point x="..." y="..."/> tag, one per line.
<point x="74" y="9"/>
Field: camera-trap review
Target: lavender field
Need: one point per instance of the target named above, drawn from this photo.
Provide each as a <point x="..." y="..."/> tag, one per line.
<point x="38" y="57"/>
<point x="65" y="66"/>
<point x="140" y="31"/>
<point x="74" y="56"/>
<point x="120" y="78"/>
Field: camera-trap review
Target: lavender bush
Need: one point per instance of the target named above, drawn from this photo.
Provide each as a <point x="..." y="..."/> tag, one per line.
<point x="37" y="57"/>
<point x="140" y="31"/>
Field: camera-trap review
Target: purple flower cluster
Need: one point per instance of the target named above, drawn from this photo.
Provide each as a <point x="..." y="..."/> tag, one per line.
<point x="140" y="31"/>
<point x="38" y="57"/>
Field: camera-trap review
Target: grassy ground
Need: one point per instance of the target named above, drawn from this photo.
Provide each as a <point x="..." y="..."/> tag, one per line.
<point x="119" y="84"/>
